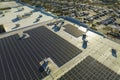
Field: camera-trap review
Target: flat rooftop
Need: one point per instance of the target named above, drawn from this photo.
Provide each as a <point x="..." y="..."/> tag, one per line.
<point x="8" y="4"/>
<point x="99" y="50"/>
<point x="19" y="57"/>
<point x="10" y="20"/>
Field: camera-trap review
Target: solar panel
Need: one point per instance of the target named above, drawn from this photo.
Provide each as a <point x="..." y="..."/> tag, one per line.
<point x="19" y="58"/>
<point x="73" y="30"/>
<point x="90" y="69"/>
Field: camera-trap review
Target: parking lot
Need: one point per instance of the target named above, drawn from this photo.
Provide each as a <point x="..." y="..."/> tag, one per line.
<point x="100" y="19"/>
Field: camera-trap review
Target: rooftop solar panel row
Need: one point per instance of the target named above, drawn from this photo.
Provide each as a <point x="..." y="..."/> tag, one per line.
<point x="90" y="69"/>
<point x="19" y="59"/>
<point x="73" y="30"/>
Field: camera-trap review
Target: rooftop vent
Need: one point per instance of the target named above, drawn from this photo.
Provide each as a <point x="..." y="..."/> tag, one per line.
<point x="23" y="36"/>
<point x="2" y="29"/>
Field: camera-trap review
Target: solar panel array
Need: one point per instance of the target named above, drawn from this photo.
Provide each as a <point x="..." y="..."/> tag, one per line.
<point x="19" y="59"/>
<point x="90" y="69"/>
<point x="73" y="30"/>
